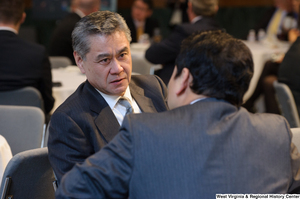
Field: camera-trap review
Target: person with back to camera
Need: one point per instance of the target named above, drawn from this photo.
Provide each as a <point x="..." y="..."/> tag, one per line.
<point x="201" y="15"/>
<point x="22" y="63"/>
<point x="92" y="115"/>
<point x="211" y="144"/>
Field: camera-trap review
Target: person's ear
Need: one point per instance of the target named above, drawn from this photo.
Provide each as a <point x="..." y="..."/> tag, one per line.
<point x="184" y="81"/>
<point x="79" y="62"/>
<point x="23" y="18"/>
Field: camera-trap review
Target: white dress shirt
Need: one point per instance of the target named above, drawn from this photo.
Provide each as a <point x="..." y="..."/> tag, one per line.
<point x="119" y="110"/>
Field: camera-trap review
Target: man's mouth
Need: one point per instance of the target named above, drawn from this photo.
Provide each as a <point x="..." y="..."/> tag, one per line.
<point x="117" y="80"/>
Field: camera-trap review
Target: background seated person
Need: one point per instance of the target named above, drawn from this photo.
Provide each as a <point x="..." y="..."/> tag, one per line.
<point x="22" y="63"/>
<point x="140" y="21"/>
<point x="211" y="145"/>
<point x="61" y="40"/>
<point x="201" y="16"/>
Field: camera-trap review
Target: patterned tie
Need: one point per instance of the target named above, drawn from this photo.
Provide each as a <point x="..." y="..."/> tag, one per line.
<point x="124" y="101"/>
<point x="139" y="32"/>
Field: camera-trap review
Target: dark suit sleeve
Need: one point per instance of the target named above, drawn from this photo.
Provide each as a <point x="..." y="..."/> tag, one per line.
<point x="67" y="144"/>
<point x="167" y="50"/>
<point x="46" y="84"/>
<point x="105" y="174"/>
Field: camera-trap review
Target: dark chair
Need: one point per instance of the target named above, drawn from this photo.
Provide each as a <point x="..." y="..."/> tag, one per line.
<point x="287" y="104"/>
<point x="59" y="61"/>
<point x="22" y="127"/>
<point x="27" y="96"/>
<point x="28" y="175"/>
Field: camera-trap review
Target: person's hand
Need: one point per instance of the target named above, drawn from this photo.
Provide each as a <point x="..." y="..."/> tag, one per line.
<point x="293" y="34"/>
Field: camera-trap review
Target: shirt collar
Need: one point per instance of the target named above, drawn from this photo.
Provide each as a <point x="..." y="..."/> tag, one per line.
<point x="197" y="100"/>
<point x="8" y="29"/>
<point x="79" y="12"/>
<point x="112" y="100"/>
<point x="196" y="19"/>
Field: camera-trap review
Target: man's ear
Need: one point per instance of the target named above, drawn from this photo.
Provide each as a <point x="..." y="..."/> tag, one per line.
<point x="79" y="62"/>
<point x="184" y="81"/>
<point x="23" y="18"/>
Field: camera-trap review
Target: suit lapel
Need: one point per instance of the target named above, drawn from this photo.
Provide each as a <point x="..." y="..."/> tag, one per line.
<point x="106" y="121"/>
<point x="144" y="103"/>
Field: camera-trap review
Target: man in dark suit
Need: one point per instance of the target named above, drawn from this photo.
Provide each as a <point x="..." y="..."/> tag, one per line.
<point x="91" y="116"/>
<point x="140" y="21"/>
<point x="200" y="14"/>
<point x="210" y="144"/>
<point x="22" y="63"/>
<point x="289" y="71"/>
<point x="61" y="40"/>
<point x="278" y="20"/>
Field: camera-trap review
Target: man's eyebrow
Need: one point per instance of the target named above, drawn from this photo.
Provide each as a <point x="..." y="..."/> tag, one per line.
<point x="105" y="55"/>
<point x="123" y="49"/>
<point x="101" y="56"/>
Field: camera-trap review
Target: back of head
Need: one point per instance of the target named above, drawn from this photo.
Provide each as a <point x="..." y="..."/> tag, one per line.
<point x="11" y="11"/>
<point x="221" y="65"/>
<point x="204" y="7"/>
<point x="102" y="23"/>
<point x="86" y="6"/>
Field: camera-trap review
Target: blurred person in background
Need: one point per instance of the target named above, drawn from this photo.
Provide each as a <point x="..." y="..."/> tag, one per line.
<point x="61" y="41"/>
<point x="278" y="20"/>
<point x="270" y="71"/>
<point x="201" y="16"/>
<point x="140" y="21"/>
<point x="22" y="63"/>
<point x="289" y="69"/>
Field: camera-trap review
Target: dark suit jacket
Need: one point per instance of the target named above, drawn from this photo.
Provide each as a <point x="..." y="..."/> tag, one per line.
<point x="25" y="64"/>
<point x="150" y="25"/>
<point x="84" y="123"/>
<point x="165" y="52"/>
<point x="207" y="148"/>
<point x="61" y="40"/>
<point x="289" y="71"/>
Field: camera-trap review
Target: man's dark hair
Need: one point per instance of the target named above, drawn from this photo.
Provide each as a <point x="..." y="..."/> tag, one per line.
<point x="221" y="65"/>
<point x="11" y="11"/>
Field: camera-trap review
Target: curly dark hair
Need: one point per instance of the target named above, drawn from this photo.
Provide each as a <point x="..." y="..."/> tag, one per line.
<point x="221" y="65"/>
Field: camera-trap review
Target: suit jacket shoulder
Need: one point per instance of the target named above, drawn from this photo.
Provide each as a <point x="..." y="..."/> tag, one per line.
<point x="24" y="63"/>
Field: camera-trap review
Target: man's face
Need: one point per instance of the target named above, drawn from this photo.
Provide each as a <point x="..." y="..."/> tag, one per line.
<point x="140" y="11"/>
<point x="108" y="64"/>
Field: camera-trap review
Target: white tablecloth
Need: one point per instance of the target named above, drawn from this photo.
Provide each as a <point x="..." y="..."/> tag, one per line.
<point x="70" y="78"/>
<point x="5" y="155"/>
<point x="262" y="53"/>
<point x="139" y="63"/>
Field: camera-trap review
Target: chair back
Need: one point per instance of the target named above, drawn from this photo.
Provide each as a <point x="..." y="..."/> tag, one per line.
<point x="60" y="61"/>
<point x="296" y="137"/>
<point x="28" y="175"/>
<point x="27" y="96"/>
<point x="287" y="104"/>
<point x="143" y="67"/>
<point x="22" y="127"/>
